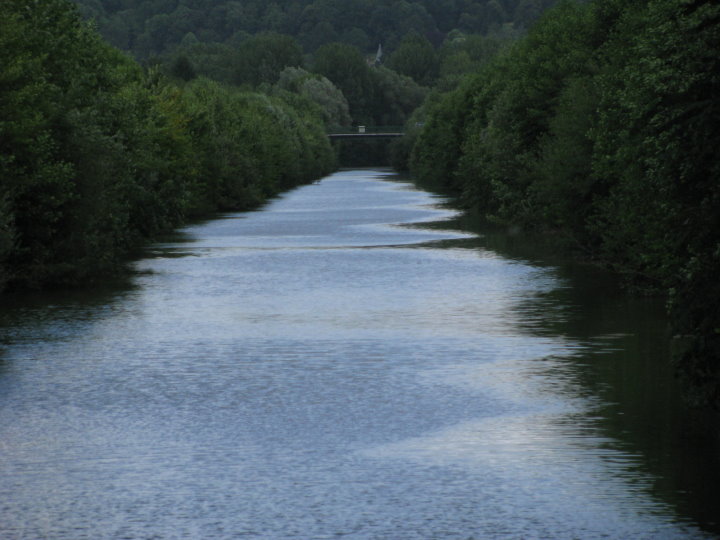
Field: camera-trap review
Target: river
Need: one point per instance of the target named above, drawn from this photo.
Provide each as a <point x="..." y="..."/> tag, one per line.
<point x="349" y="361"/>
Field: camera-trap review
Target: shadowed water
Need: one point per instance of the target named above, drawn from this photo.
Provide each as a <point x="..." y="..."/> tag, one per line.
<point x="325" y="367"/>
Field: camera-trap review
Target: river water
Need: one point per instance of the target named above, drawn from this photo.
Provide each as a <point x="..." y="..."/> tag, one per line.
<point x="349" y="361"/>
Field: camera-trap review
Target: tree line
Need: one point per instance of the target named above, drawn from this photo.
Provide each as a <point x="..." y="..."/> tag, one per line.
<point x="98" y="154"/>
<point x="156" y="27"/>
<point x="601" y="127"/>
<point x="248" y="44"/>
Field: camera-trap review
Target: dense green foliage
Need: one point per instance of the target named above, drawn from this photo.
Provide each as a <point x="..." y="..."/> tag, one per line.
<point x="250" y="44"/>
<point x="97" y="155"/>
<point x="416" y="58"/>
<point x="602" y="126"/>
<point x="156" y="27"/>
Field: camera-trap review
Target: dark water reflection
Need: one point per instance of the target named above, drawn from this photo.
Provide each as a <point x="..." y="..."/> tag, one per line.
<point x="315" y="370"/>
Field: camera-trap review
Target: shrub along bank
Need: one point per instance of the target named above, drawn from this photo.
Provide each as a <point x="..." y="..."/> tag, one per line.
<point x="98" y="155"/>
<point x="601" y="126"/>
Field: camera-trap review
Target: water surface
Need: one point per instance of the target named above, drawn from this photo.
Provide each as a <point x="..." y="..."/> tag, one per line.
<point x="339" y="364"/>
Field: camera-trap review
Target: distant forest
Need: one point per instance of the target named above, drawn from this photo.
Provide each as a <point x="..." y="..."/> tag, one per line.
<point x="363" y="62"/>
<point x="156" y="27"/>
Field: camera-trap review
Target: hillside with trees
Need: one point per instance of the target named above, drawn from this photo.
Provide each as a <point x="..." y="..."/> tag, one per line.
<point x="382" y="55"/>
<point x="365" y="62"/>
<point x="157" y="27"/>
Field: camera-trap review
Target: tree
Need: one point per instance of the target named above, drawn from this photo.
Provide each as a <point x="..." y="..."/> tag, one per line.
<point x="345" y="66"/>
<point x="416" y="58"/>
<point x="36" y="182"/>
<point x="7" y="239"/>
<point x="462" y="54"/>
<point x="323" y="32"/>
<point x="319" y="90"/>
<point x="527" y="12"/>
<point x="440" y="143"/>
<point x="261" y="58"/>
<point x="656" y="153"/>
<point x="564" y="188"/>
<point x="396" y="97"/>
<point x="153" y="27"/>
<point x="182" y="68"/>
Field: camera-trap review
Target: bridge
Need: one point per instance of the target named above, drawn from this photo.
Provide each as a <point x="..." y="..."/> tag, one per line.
<point x="366" y="132"/>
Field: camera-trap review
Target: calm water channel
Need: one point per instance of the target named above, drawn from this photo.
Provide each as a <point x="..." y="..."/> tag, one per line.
<point x="347" y="362"/>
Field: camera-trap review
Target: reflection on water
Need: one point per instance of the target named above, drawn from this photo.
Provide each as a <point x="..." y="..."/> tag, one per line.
<point x="318" y="369"/>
